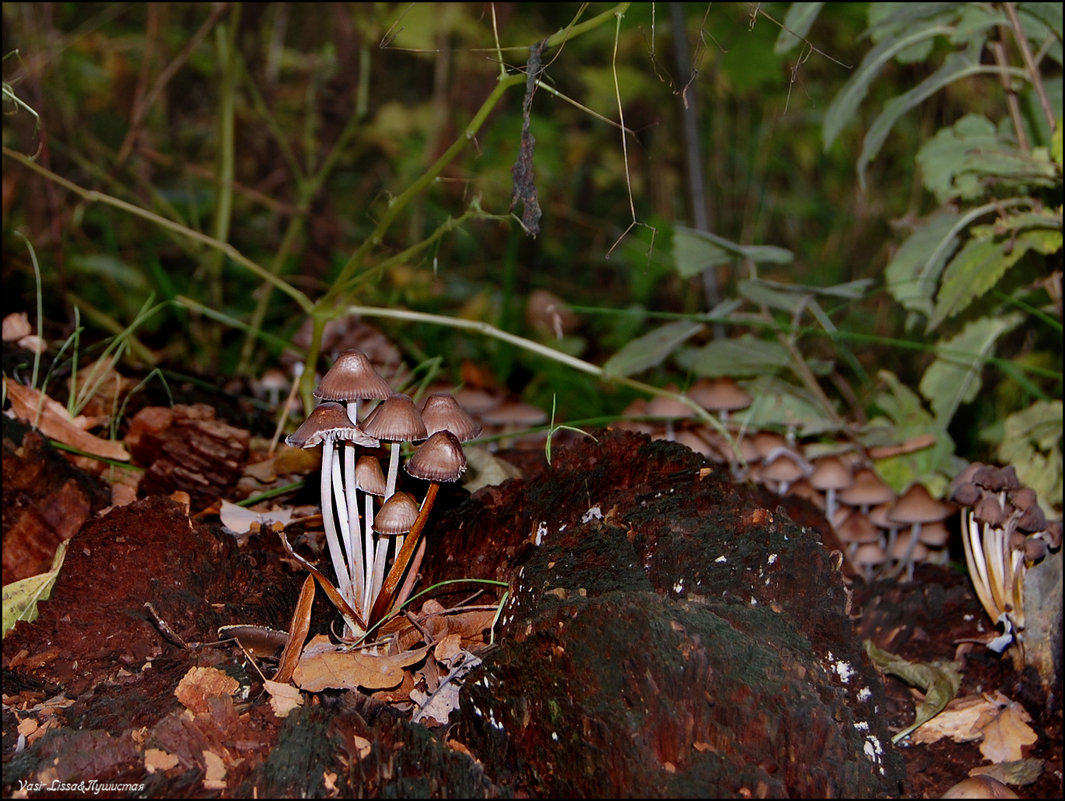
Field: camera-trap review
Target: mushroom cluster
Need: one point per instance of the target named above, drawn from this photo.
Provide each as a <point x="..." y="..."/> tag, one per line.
<point x="376" y="548"/>
<point x="1004" y="532"/>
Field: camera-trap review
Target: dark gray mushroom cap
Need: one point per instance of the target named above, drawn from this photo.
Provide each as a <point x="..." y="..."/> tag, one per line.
<point x="439" y="458"/>
<point x="441" y="412"/>
<point x="352" y="377"/>
<point x="396" y="420"/>
<point x="329" y="420"/>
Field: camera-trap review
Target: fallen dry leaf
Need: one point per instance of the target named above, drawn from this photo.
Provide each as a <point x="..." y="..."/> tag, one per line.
<point x="957" y="721"/>
<point x="283" y="697"/>
<point x="1005" y="727"/>
<point x="201" y="683"/>
<point x="56" y="423"/>
<point x="347" y="671"/>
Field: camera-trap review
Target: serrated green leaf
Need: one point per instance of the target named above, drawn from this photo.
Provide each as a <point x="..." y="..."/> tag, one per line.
<point x="778" y="404"/>
<point x="1031" y="442"/>
<point x="954" y="377"/>
<point x="797" y="23"/>
<point x="939" y="681"/>
<point x="844" y="106"/>
<point x="739" y="357"/>
<point x="651" y="349"/>
<point x="956" y="66"/>
<point x="942" y="158"/>
<point x="979" y="265"/>
<point x="20" y="598"/>
<point x="912" y="277"/>
<point x="773" y="297"/>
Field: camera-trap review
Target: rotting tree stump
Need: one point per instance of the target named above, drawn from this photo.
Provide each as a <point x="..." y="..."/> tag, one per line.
<point x="667" y="634"/>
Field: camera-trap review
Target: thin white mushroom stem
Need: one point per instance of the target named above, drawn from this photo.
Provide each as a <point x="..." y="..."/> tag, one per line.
<point x="354" y="531"/>
<point x="343" y="525"/>
<point x="333" y="543"/>
<point x="368" y="561"/>
<point x="974" y="557"/>
<point x="393" y="471"/>
<point x="380" y="559"/>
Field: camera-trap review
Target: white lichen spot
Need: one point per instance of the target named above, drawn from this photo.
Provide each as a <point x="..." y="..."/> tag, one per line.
<point x="873" y="750"/>
<point x="843" y="670"/>
<point x="865" y="694"/>
<point x="772" y="559"/>
<point x="540" y="531"/>
<point x="862" y="725"/>
<point x="754" y="601"/>
<point x="678" y="588"/>
<point x="595" y="513"/>
<point x="721" y="559"/>
<point x="554" y="736"/>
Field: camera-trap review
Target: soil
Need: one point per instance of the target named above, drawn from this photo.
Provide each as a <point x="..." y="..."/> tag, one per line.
<point x="91" y="682"/>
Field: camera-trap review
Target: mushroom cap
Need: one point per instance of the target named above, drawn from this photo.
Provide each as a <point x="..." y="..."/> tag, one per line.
<point x="990" y="511"/>
<point x="857" y="528"/>
<point x="396" y="515"/>
<point x="369" y="477"/>
<point x="869" y="553"/>
<point x="966" y="494"/>
<point x="395" y="420"/>
<point x="1033" y="520"/>
<point x="441" y="412"/>
<point x="935" y="534"/>
<point x="917" y="506"/>
<point x="329" y="419"/>
<point x="668" y="407"/>
<point x="719" y="394"/>
<point x="352" y="377"/>
<point x="783" y="468"/>
<point x="439" y="458"/>
<point x="868" y="489"/>
<point x="997" y="479"/>
<point x="831" y="472"/>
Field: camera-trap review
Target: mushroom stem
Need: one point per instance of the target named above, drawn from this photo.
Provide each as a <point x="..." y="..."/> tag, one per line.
<point x="335" y="553"/>
<point x="383" y="603"/>
<point x="393" y="471"/>
<point x="369" y="558"/>
<point x="354" y="532"/>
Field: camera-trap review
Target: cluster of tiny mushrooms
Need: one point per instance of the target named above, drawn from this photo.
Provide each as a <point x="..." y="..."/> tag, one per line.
<point x="358" y="410"/>
<point x="1004" y="530"/>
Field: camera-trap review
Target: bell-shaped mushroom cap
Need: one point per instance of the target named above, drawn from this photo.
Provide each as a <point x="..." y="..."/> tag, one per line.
<point x="857" y="528"/>
<point x="831" y="472"/>
<point x="369" y="477"/>
<point x="439" y="458"/>
<point x="441" y="412"/>
<point x="719" y="395"/>
<point x="867" y="490"/>
<point x="997" y="479"/>
<point x="396" y="515"/>
<point x="329" y="419"/>
<point x="917" y="506"/>
<point x="1032" y="520"/>
<point x="352" y="377"/>
<point x="967" y="494"/>
<point x="396" y="420"/>
<point x="990" y="511"/>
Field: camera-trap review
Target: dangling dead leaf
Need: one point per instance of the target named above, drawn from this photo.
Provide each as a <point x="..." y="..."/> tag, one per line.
<point x="1005" y="727"/>
<point x="56" y="423"/>
<point x="957" y="721"/>
<point x="338" y="670"/>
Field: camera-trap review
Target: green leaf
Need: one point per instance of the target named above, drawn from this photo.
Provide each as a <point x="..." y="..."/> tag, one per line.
<point x="980" y="264"/>
<point x="943" y="158"/>
<point x="912" y="277"/>
<point x="957" y="65"/>
<point x="954" y="377"/>
<point x="20" y="598"/>
<point x="797" y="23"/>
<point x="738" y="357"/>
<point x="1032" y="444"/>
<point x="939" y="681"/>
<point x="779" y="404"/>
<point x="844" y="106"/>
<point x="694" y="251"/>
<point x="651" y="349"/>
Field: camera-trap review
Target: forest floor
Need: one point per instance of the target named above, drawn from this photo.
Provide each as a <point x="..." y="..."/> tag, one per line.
<point x="934" y="617"/>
